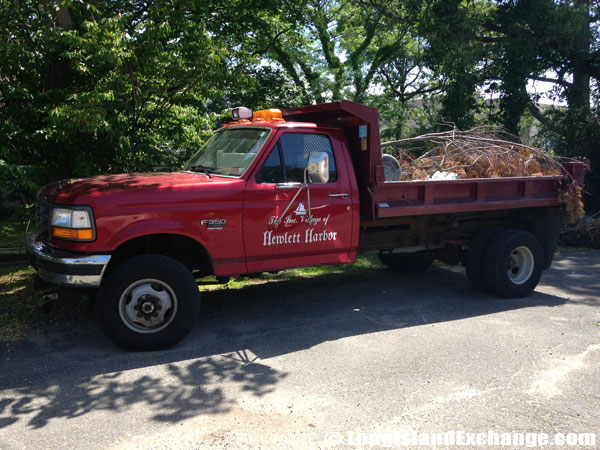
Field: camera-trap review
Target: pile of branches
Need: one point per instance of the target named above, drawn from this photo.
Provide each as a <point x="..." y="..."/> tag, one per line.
<point x="483" y="152"/>
<point x="584" y="233"/>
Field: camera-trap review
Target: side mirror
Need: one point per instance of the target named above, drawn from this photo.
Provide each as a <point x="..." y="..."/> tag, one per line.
<point x="318" y="167"/>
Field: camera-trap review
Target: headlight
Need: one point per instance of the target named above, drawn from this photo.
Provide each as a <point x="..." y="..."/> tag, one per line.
<point x="72" y="224"/>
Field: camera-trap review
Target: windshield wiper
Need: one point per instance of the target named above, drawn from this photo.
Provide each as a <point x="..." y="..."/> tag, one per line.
<point x="202" y="168"/>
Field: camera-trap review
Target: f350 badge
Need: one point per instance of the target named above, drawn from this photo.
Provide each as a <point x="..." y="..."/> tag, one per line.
<point x="214" y="224"/>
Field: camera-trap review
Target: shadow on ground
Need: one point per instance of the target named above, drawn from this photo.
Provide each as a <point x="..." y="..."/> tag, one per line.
<point x="576" y="274"/>
<point x="184" y="391"/>
<point x="66" y="373"/>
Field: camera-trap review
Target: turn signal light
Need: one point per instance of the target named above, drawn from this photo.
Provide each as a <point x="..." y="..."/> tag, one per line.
<point x="82" y="234"/>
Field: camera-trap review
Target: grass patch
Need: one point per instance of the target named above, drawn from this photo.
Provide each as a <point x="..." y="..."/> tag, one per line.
<point x="438" y="263"/>
<point x="13" y="232"/>
<point x="563" y="249"/>
<point x="364" y="262"/>
<point x="18" y="302"/>
<point x="23" y="308"/>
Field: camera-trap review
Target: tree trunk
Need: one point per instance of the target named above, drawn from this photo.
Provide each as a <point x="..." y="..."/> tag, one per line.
<point x="59" y="76"/>
<point x="579" y="97"/>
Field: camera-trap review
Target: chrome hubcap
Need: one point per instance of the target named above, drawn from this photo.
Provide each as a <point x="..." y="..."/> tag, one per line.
<point x="147" y="306"/>
<point x="520" y="265"/>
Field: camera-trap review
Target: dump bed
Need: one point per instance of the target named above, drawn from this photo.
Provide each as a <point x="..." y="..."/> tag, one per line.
<point x="383" y="200"/>
<point x="414" y="198"/>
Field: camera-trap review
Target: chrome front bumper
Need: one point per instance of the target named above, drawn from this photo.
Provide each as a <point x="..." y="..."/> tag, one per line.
<point x="66" y="268"/>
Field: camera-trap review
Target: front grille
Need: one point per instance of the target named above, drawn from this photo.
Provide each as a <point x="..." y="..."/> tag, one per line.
<point x="42" y="218"/>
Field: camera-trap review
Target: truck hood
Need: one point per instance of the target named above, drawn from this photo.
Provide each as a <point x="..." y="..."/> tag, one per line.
<point x="86" y="190"/>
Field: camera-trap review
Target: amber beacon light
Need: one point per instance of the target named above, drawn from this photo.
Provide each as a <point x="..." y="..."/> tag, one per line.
<point x="268" y="115"/>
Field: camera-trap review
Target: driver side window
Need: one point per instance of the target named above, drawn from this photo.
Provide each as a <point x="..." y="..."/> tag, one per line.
<point x="289" y="157"/>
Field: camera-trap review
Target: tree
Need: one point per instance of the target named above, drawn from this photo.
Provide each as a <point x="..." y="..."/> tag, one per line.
<point x="407" y="86"/>
<point x="555" y="42"/>
<point x="114" y="85"/>
<point x="333" y="49"/>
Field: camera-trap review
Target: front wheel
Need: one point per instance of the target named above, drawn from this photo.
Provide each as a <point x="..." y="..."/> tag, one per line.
<point x="148" y="302"/>
<point x="513" y="263"/>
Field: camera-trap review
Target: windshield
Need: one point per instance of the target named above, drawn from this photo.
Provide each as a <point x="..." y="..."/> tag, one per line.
<point x="229" y="151"/>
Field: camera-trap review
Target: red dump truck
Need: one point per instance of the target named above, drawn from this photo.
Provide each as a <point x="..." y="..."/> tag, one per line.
<point x="279" y="189"/>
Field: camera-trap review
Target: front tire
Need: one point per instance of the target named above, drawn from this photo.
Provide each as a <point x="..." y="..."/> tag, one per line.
<point x="148" y="302"/>
<point x="513" y="263"/>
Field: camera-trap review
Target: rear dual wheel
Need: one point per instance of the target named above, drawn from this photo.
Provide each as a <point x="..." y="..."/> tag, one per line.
<point x="475" y="256"/>
<point x="507" y="263"/>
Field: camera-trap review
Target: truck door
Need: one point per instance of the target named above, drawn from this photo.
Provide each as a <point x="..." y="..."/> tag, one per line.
<point x="273" y="240"/>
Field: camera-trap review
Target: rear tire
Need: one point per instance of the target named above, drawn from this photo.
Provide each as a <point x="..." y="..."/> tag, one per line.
<point x="475" y="256"/>
<point x="148" y="302"/>
<point x="513" y="263"/>
<point x="406" y="262"/>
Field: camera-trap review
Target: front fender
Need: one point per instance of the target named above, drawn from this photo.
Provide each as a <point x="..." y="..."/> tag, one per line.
<point x="148" y="227"/>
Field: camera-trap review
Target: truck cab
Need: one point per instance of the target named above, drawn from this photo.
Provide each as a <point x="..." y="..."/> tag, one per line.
<point x="263" y="194"/>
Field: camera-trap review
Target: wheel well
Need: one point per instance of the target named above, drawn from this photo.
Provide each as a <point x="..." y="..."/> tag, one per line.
<point x="186" y="250"/>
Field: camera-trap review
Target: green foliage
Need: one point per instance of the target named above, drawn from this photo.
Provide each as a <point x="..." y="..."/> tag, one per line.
<point x="556" y="42"/>
<point x="17" y="182"/>
<point x="123" y="86"/>
<point x="127" y="85"/>
<point x="406" y="119"/>
<point x="497" y="48"/>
